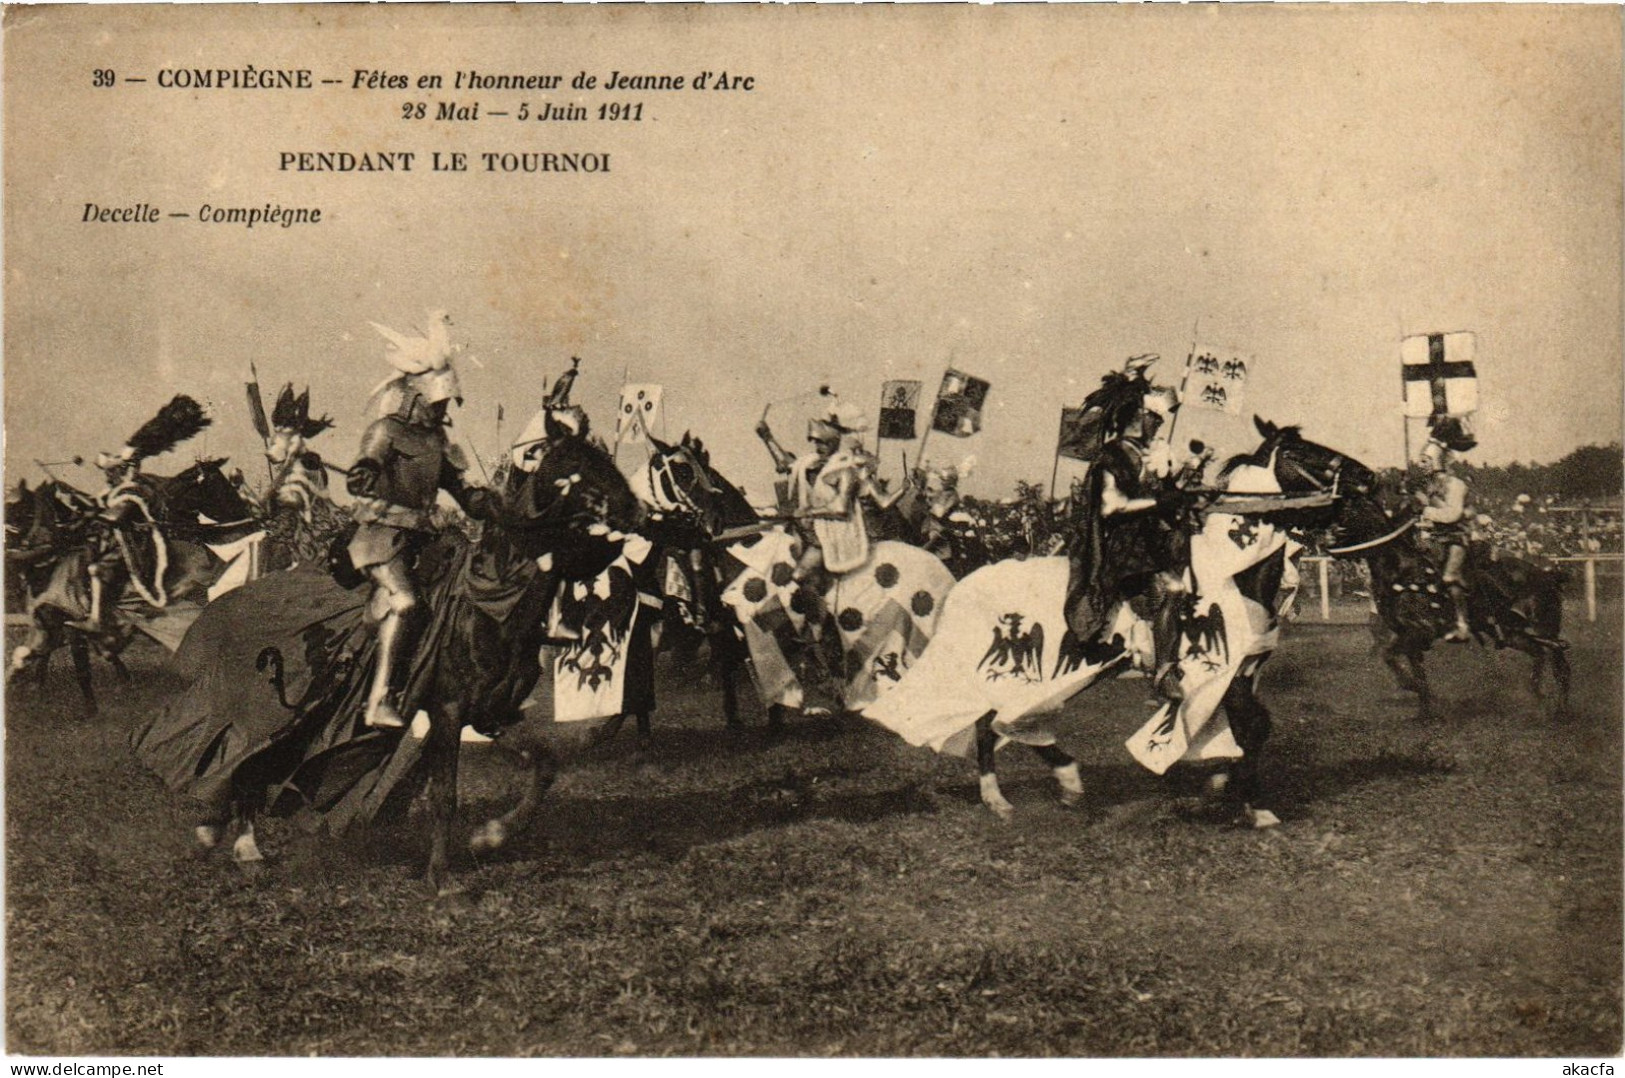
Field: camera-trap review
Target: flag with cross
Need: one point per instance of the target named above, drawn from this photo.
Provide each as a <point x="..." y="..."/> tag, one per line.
<point x="1438" y="374"/>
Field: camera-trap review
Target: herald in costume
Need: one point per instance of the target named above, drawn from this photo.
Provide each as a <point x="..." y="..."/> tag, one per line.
<point x="126" y="534"/>
<point x="405" y="460"/>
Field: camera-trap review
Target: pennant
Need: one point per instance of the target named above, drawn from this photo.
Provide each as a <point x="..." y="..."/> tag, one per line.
<point x="1438" y="374"/>
<point x="1216" y="379"/>
<point x="959" y="404"/>
<point x="256" y="406"/>
<point x="899" y="401"/>
<point x="639" y="414"/>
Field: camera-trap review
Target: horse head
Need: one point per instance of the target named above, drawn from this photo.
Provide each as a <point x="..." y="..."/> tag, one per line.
<point x="1299" y="466"/>
<point x="574" y="482"/>
<point x="680" y="479"/>
<point x="200" y="495"/>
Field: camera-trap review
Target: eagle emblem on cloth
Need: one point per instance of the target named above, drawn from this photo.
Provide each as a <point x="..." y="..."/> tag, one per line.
<point x="1014" y="653"/>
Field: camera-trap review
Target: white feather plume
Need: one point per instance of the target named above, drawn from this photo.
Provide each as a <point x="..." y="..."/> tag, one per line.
<point x="417" y="354"/>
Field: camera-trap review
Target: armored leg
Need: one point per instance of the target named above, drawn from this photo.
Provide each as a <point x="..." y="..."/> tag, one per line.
<point x="1453" y="561"/>
<point x="399" y="624"/>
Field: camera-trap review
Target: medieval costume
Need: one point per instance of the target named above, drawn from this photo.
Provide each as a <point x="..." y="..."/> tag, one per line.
<point x="1127" y="542"/>
<point x="125" y="541"/>
<point x="404" y="461"/>
<point x="1446" y="513"/>
<point x="300" y="517"/>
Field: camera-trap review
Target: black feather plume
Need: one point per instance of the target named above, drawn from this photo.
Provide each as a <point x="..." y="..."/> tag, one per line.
<point x="175" y="422"/>
<point x="293" y="413"/>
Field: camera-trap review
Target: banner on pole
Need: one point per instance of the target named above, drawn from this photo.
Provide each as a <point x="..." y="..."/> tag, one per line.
<point x="899" y="403"/>
<point x="640" y="412"/>
<point x="1438" y="374"/>
<point x="1216" y="379"/>
<point x="1080" y="434"/>
<point x="959" y="404"/>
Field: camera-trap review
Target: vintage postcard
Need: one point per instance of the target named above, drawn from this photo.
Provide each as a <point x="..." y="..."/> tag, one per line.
<point x="921" y="531"/>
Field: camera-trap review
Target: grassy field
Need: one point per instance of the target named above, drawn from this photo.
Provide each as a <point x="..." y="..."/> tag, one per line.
<point x="1450" y="888"/>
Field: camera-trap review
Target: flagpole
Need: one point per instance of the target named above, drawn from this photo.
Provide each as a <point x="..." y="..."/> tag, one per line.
<point x="1404" y="419"/>
<point x="1173" y="423"/>
<point x="615" y="451"/>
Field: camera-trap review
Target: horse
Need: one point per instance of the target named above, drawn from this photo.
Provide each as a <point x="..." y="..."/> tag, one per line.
<point x="689" y="505"/>
<point x="1512" y="602"/>
<point x="49" y="540"/>
<point x="881" y="612"/>
<point x="233" y="744"/>
<point x="1003" y="658"/>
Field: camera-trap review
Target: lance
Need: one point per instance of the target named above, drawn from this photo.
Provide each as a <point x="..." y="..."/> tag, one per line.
<point x="256" y="414"/>
<point x="47" y="465"/>
<point x="1190" y="357"/>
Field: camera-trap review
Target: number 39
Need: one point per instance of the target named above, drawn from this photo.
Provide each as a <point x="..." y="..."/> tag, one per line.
<point x="102" y="76"/>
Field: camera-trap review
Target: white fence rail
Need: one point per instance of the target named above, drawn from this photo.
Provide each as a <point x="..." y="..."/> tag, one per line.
<point x="1322" y="564"/>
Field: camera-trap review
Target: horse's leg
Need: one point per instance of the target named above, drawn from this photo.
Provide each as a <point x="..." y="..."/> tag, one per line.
<point x="445" y="736"/>
<point x="1250" y="721"/>
<point x="986" y="745"/>
<point x="79" y="648"/>
<point x="645" y="734"/>
<point x="1394" y="659"/>
<point x="33" y="655"/>
<point x="541" y="768"/>
<point x="116" y="661"/>
<point x="245" y="852"/>
<point x="724" y="667"/>
<point x="1065" y="769"/>
<point x="1562" y="673"/>
<point x="1424" y="693"/>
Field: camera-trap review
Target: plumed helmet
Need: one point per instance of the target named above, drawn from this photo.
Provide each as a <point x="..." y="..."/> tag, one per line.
<point x="1452" y="433"/>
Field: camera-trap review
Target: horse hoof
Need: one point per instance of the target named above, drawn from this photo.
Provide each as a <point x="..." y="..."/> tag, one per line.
<point x="1259" y="819"/>
<point x="489" y="838"/>
<point x="206" y="837"/>
<point x="1004" y="810"/>
<point x="250" y="870"/>
<point x="451" y="899"/>
<point x="1071" y="798"/>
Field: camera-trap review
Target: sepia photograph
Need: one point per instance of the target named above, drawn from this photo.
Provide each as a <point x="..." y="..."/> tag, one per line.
<point x="909" y="532"/>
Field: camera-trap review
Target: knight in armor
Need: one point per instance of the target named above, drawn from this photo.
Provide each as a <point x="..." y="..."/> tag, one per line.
<point x="1446" y="513"/>
<point x="1130" y="542"/>
<point x="126" y="515"/>
<point x="405" y="460"/>
<point x="943" y="517"/>
<point x="826" y="485"/>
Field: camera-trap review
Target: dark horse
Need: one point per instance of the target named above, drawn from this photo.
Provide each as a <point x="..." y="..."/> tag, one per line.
<point x="49" y="533"/>
<point x="691" y="507"/>
<point x="478" y="661"/>
<point x="1512" y="602"/>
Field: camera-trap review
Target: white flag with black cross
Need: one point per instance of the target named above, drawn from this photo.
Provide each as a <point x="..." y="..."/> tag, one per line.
<point x="1438" y="374"/>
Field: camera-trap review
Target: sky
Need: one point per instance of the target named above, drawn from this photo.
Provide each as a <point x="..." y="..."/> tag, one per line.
<point x="1030" y="195"/>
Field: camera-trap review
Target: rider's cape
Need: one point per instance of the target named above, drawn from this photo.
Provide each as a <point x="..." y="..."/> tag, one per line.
<point x="276" y="677"/>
